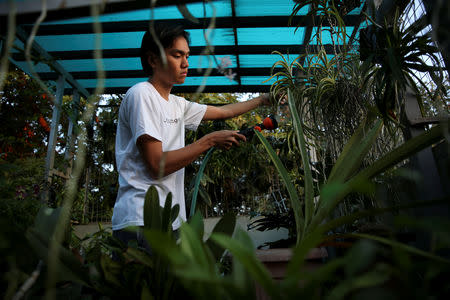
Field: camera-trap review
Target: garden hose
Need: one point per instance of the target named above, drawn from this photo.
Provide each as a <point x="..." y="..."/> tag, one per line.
<point x="268" y="123"/>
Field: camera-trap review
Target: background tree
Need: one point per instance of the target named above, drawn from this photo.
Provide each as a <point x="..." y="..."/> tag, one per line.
<point x="24" y="128"/>
<point x="24" y="118"/>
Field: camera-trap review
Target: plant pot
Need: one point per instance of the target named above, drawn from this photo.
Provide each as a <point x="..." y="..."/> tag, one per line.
<point x="277" y="260"/>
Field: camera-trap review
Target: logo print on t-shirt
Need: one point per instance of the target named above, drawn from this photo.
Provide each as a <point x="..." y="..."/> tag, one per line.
<point x="171" y="121"/>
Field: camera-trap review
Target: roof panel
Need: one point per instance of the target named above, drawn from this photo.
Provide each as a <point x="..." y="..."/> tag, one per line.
<point x="246" y="35"/>
<point x="257" y="80"/>
<point x="270" y="36"/>
<point x="40" y="67"/>
<point x="246" y="8"/>
<point x="125" y="40"/>
<point x="258" y="60"/>
<point x="220" y="8"/>
<point x="129" y="64"/>
<point x="128" y="82"/>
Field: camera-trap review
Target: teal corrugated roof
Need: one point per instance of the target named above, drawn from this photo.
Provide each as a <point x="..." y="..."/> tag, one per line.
<point x="246" y="34"/>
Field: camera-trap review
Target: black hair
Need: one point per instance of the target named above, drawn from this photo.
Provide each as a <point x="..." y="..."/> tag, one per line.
<point x="166" y="33"/>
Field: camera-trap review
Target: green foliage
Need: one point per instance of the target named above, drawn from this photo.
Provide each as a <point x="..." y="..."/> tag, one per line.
<point x="107" y="268"/>
<point x="26" y="119"/>
<point x="385" y="268"/>
<point x="232" y="180"/>
<point x="24" y="116"/>
<point x="21" y="185"/>
<point x="337" y="103"/>
<point x="318" y="95"/>
<point x="16" y="260"/>
<point x="342" y="180"/>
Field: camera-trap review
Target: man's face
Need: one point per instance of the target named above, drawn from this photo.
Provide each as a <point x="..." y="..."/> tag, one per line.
<point x="177" y="63"/>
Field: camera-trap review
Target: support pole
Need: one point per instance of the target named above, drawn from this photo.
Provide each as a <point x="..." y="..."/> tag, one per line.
<point x="71" y="137"/>
<point x="50" y="159"/>
<point x="430" y="186"/>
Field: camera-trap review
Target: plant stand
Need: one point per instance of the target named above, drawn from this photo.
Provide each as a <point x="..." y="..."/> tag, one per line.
<point x="277" y="260"/>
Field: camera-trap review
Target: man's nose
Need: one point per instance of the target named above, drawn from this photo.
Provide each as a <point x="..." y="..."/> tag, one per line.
<point x="185" y="62"/>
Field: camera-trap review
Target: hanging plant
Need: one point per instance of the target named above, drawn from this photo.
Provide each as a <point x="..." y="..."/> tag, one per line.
<point x="399" y="54"/>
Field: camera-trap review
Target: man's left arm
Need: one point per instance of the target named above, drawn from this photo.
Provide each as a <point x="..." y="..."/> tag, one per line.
<point x="234" y="109"/>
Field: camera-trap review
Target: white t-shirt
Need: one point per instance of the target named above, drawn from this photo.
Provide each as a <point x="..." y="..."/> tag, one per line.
<point x="144" y="111"/>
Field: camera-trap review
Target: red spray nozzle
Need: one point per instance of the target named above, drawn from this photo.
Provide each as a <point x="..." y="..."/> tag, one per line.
<point x="268" y="123"/>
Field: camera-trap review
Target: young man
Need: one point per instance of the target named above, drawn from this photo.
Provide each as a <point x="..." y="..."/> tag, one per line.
<point x="150" y="148"/>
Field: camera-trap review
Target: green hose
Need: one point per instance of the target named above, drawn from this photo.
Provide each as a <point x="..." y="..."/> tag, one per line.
<point x="198" y="178"/>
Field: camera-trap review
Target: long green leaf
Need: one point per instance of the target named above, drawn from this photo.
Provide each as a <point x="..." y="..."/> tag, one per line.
<point x="300" y="253"/>
<point x="152" y="211"/>
<point x="197" y="224"/>
<point x="292" y="191"/>
<point x="248" y="259"/>
<point x="354" y="151"/>
<point x="226" y="225"/>
<point x="309" y="188"/>
<point x="239" y="274"/>
<point x="198" y="179"/>
<point x="402" y="152"/>
<point x="166" y="214"/>
<point x="140" y="256"/>
<point x="399" y="154"/>
<point x="348" y="219"/>
<point x="69" y="268"/>
<point x="401" y="246"/>
<point x="192" y="245"/>
<point x="372" y="278"/>
<point x="165" y="246"/>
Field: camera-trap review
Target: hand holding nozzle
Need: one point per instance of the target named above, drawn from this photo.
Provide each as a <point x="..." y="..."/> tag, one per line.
<point x="268" y="123"/>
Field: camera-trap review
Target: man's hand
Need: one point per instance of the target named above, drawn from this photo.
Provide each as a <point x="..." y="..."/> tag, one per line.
<point x="161" y="163"/>
<point x="270" y="99"/>
<point x="266" y="99"/>
<point x="225" y="139"/>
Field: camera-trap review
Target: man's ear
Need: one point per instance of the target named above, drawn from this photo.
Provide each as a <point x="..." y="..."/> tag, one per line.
<point x="151" y="59"/>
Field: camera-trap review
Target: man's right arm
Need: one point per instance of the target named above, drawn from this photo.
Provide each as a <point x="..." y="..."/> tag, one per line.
<point x="161" y="163"/>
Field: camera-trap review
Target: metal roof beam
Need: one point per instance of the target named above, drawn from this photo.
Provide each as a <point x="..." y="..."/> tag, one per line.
<point x="236" y="42"/>
<point x="194" y="72"/>
<point x="195" y="50"/>
<point x="29" y="10"/>
<point x="221" y="22"/>
<point x="52" y="63"/>
<point x="193" y="89"/>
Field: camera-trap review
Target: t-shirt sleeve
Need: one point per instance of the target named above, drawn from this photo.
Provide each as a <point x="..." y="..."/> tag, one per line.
<point x="193" y="114"/>
<point x="144" y="116"/>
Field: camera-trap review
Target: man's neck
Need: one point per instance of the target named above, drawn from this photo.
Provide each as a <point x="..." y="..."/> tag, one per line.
<point x="162" y="88"/>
